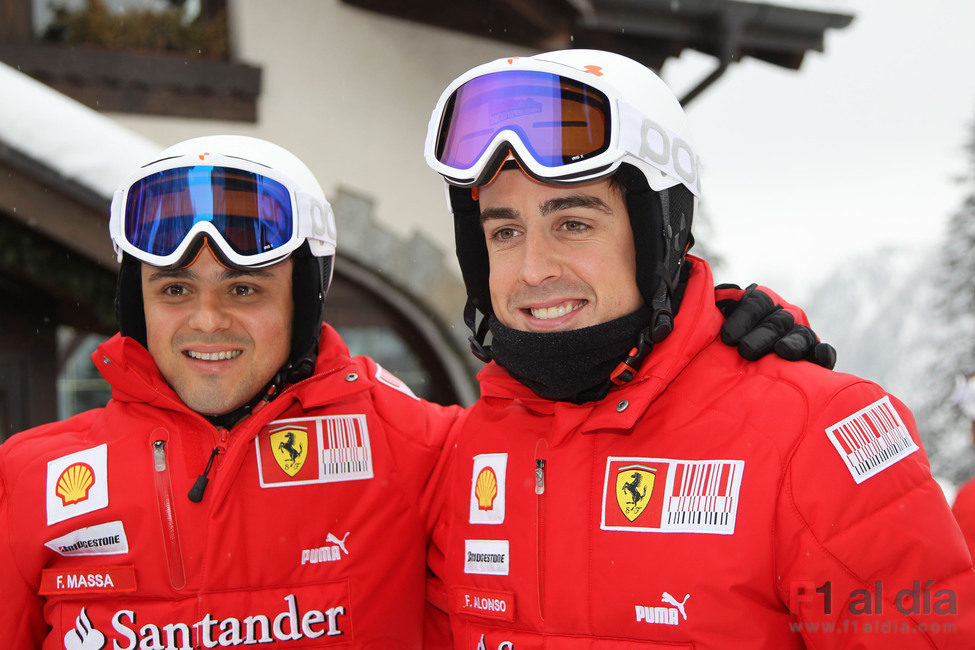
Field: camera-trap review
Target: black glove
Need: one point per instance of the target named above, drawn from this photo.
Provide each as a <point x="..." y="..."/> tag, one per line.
<point x="757" y="326"/>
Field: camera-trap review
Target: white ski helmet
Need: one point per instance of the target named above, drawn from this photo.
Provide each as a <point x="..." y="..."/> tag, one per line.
<point x="252" y="202"/>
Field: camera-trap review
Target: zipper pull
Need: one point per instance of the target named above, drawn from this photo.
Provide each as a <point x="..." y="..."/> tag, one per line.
<point x="196" y="492"/>
<point x="159" y="455"/>
<point x="539" y="476"/>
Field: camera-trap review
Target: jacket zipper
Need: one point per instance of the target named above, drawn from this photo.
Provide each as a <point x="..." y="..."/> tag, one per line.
<point x="540" y="532"/>
<point x="200" y="485"/>
<point x="167" y="515"/>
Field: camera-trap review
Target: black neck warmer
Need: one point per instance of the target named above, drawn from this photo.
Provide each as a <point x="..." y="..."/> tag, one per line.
<point x="572" y="366"/>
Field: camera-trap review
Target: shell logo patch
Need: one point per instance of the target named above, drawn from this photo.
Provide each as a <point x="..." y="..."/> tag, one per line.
<point x="289" y="444"/>
<point x="487" y="488"/>
<point x="74" y="483"/>
<point x="77" y="484"/>
<point x="634" y="487"/>
<point x="667" y="495"/>
<point x="302" y="451"/>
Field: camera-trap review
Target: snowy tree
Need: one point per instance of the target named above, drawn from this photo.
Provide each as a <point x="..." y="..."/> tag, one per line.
<point x="905" y="318"/>
<point x="949" y="443"/>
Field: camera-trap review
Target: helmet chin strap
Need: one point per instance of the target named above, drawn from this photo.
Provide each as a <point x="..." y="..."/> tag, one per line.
<point x="660" y="326"/>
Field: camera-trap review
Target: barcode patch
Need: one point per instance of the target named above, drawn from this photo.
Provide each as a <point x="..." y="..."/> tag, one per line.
<point x="703" y="495"/>
<point x="667" y="495"/>
<point x="322" y="449"/>
<point x="872" y="439"/>
<point x="347" y="454"/>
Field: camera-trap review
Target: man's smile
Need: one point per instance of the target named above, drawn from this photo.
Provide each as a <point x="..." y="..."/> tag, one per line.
<point x="223" y="355"/>
<point x="554" y="311"/>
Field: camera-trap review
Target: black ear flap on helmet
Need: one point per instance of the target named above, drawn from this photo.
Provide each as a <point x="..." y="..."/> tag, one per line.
<point x="474" y="266"/>
<point x="129" y="312"/>
<point x="471" y="248"/>
<point x="310" y="279"/>
<point x="661" y="224"/>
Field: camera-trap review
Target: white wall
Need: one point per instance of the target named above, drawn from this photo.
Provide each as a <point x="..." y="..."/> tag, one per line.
<point x="350" y="92"/>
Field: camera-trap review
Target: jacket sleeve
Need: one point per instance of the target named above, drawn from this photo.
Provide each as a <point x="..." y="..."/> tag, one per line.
<point x="437" y="634"/>
<point x="867" y="552"/>
<point x="964" y="510"/>
<point x="21" y="615"/>
<point x="419" y="431"/>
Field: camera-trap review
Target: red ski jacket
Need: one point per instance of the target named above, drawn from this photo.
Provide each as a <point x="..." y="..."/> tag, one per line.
<point x="964" y="510"/>
<point x="709" y="503"/>
<point x="310" y="534"/>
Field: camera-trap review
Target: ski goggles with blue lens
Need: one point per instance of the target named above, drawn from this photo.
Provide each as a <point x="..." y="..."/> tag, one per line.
<point x="251" y="218"/>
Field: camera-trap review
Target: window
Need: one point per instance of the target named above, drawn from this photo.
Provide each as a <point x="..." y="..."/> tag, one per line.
<point x="160" y="57"/>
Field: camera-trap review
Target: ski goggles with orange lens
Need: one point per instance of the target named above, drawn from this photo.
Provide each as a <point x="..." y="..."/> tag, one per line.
<point x="556" y="120"/>
<point x="560" y="129"/>
<point x="251" y="218"/>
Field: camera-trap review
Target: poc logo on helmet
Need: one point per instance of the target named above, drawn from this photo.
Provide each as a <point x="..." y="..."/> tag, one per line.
<point x="670" y="152"/>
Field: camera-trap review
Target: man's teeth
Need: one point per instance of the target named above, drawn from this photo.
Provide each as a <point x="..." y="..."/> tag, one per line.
<point x="545" y="313"/>
<point x="213" y="356"/>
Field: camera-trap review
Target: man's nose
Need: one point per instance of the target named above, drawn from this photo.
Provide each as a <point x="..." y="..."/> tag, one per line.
<point x="209" y="313"/>
<point x="541" y="260"/>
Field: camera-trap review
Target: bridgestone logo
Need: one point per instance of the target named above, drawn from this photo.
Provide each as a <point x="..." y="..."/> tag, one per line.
<point x="485" y="557"/>
<point x="101" y="539"/>
<point x="90" y="543"/>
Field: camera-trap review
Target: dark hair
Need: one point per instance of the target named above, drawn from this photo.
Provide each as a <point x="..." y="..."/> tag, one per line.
<point x="616" y="184"/>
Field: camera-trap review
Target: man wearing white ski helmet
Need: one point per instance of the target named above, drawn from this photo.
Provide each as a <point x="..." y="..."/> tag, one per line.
<point x="567" y="134"/>
<point x="626" y="479"/>
<point x="249" y="482"/>
<point x="248" y="204"/>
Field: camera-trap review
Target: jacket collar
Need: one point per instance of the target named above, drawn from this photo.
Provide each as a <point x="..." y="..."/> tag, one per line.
<point x="696" y="325"/>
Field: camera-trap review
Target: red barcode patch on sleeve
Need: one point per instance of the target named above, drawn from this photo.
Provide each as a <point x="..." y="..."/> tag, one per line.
<point x="872" y="439"/>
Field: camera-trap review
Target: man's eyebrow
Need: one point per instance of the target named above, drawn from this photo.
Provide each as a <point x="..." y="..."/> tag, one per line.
<point x="227" y="274"/>
<point x="230" y="274"/>
<point x="550" y="206"/>
<point x="574" y="201"/>
<point x="171" y="274"/>
<point x="498" y="213"/>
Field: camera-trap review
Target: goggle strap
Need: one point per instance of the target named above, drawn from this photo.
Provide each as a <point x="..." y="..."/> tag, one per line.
<point x="316" y="225"/>
<point x="658" y="146"/>
<point x="115" y="224"/>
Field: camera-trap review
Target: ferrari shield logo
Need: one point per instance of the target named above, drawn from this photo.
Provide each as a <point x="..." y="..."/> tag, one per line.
<point x="634" y="485"/>
<point x="289" y="444"/>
